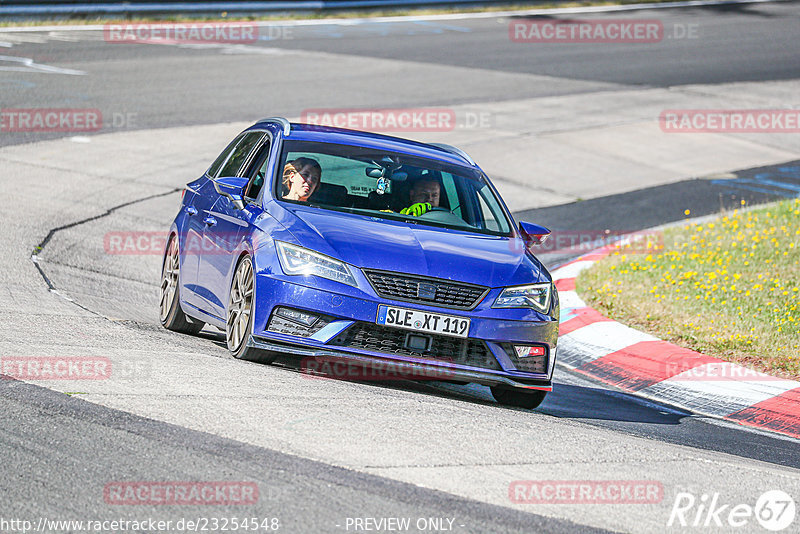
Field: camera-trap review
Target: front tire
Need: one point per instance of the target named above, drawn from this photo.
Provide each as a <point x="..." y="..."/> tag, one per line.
<point x="170" y="313"/>
<point x="520" y="398"/>
<point x="239" y="325"/>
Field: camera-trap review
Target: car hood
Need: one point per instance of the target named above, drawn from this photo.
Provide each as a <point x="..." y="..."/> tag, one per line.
<point x="374" y="243"/>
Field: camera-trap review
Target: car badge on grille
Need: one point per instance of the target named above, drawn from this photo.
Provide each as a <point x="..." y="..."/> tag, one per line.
<point x="426" y="291"/>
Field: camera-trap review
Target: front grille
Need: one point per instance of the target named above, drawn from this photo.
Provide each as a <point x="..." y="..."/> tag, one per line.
<point x="530" y="364"/>
<point x="456" y="295"/>
<point x="388" y="340"/>
<point x="282" y="325"/>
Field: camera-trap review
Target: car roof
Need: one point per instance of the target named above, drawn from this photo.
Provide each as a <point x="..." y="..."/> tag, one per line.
<point x="330" y="134"/>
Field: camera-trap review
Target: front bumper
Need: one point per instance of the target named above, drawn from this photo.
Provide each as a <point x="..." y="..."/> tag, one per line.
<point x="419" y="369"/>
<point x="485" y="357"/>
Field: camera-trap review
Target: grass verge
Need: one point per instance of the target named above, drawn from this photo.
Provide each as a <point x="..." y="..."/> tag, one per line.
<point x="727" y="288"/>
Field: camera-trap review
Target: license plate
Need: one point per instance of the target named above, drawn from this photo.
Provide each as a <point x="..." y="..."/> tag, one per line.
<point x="420" y="321"/>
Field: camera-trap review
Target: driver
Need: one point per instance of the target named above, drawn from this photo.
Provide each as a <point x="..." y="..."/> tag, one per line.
<point x="423" y="195"/>
<point x="301" y="178"/>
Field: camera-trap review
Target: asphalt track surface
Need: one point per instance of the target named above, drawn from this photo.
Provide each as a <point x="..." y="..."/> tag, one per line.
<point x="59" y="451"/>
<point x="169" y="86"/>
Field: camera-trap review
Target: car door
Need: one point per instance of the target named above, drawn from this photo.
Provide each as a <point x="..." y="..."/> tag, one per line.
<point x="224" y="228"/>
<point x="198" y="208"/>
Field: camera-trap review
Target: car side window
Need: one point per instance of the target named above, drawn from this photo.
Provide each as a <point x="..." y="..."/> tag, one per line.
<point x="214" y="169"/>
<point x="239" y="154"/>
<point x="257" y="179"/>
<point x="450" y="193"/>
<point x="488" y="215"/>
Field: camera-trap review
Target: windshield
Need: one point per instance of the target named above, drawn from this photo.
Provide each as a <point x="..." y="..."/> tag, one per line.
<point x="389" y="185"/>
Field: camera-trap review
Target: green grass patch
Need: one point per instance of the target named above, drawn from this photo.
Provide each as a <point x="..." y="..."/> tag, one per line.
<point x="726" y="288"/>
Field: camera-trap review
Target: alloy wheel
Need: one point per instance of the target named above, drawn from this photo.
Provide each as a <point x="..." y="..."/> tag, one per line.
<point x="169" y="280"/>
<point x="240" y="305"/>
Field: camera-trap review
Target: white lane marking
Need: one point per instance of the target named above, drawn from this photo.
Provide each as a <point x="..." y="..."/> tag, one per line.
<point x="64" y="36"/>
<point x="10" y="39"/>
<point x="718" y="397"/>
<point x="570" y="299"/>
<point x="726" y="379"/>
<point x="728" y="371"/>
<point x="17" y="38"/>
<point x="225" y="48"/>
<point x="596" y="340"/>
<point x="29" y="65"/>
<point x="572" y="270"/>
<point x="444" y="16"/>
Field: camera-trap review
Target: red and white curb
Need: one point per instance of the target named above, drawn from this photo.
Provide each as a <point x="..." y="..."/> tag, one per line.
<point x="606" y="350"/>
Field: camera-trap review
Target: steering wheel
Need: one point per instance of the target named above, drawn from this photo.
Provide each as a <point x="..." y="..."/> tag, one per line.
<point x="443" y="215"/>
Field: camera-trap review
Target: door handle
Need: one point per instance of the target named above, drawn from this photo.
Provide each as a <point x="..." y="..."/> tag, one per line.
<point x="210" y="221"/>
<point x="191" y="210"/>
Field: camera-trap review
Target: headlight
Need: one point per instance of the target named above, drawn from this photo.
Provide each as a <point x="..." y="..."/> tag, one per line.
<point x="536" y="296"/>
<point x="302" y="261"/>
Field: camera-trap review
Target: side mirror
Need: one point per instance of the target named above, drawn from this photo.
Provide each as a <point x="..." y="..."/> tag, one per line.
<point x="232" y="187"/>
<point x="533" y="234"/>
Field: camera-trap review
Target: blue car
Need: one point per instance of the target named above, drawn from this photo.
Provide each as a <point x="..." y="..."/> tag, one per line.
<point x="348" y="246"/>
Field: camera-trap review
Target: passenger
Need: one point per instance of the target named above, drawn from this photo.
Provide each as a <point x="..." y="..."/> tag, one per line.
<point x="423" y="195"/>
<point x="300" y="179"/>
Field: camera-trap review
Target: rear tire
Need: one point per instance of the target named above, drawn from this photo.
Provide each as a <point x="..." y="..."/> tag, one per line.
<point x="520" y="398"/>
<point x="170" y="313"/>
<point x="239" y="325"/>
